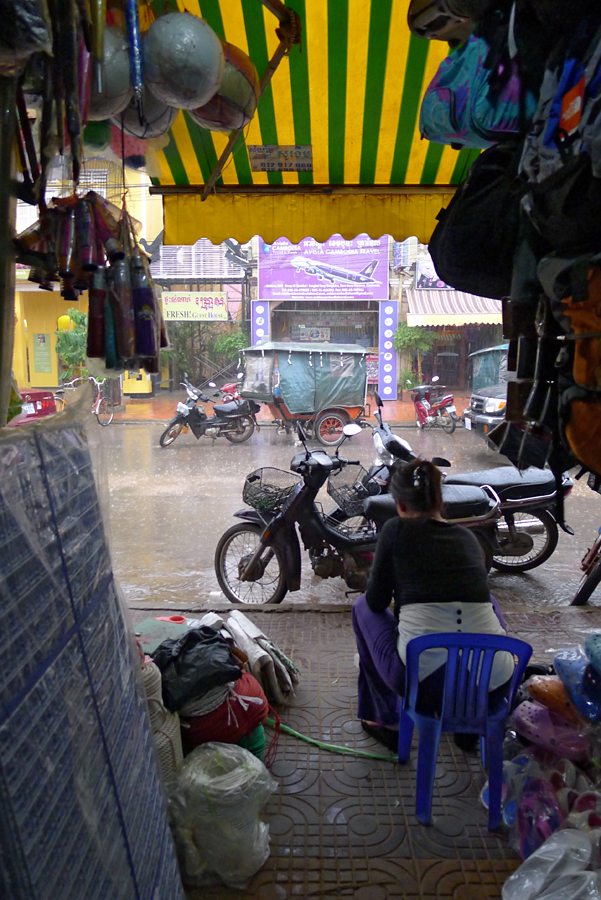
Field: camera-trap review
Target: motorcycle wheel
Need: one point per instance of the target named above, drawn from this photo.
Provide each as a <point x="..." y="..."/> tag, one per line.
<point x="328" y="429"/>
<point x="588" y="585"/>
<point x="237" y="544"/>
<point x="447" y="423"/>
<point x="541" y="548"/>
<point x="418" y="424"/>
<point x="246" y="427"/>
<point x="173" y="430"/>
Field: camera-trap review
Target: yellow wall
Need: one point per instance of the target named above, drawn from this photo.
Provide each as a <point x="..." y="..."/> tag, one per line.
<point x="37" y="312"/>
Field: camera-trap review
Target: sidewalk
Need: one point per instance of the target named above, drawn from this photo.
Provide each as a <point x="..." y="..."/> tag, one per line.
<point x="162" y="408"/>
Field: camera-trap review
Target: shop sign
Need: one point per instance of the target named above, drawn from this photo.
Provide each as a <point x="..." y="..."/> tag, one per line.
<point x="194" y="306"/>
<point x="335" y="270"/>
<point x="280" y="158"/>
<point x="306" y="333"/>
<point x="373" y="363"/>
<point x="426" y="276"/>
<point x="42" y="359"/>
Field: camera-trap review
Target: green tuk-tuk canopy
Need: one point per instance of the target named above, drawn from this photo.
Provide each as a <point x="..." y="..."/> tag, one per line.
<point x="349" y="96"/>
<point x="308" y="378"/>
<point x="489" y="366"/>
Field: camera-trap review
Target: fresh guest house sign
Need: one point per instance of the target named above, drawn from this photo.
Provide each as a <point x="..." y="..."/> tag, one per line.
<point x="188" y="306"/>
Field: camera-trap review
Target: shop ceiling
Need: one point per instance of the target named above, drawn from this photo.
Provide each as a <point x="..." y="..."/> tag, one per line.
<point x="351" y="91"/>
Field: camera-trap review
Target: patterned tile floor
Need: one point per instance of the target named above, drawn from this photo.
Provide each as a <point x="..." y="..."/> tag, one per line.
<point x="343" y="826"/>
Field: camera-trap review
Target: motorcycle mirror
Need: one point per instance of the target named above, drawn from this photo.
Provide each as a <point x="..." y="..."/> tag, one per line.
<point x="378" y="399"/>
<point x="435" y="378"/>
<point x="351" y="429"/>
<point x="440" y="461"/>
<point x="211" y="384"/>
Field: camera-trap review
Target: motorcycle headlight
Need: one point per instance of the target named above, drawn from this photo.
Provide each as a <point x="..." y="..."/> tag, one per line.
<point x="492" y="406"/>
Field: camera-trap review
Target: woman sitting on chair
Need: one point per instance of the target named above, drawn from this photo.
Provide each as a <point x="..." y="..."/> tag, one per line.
<point x="435" y="573"/>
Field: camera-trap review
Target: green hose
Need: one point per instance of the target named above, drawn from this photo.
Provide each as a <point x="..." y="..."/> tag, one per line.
<point x="334" y="748"/>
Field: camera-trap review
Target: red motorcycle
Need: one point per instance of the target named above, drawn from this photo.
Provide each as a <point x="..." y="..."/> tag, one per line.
<point x="230" y="392"/>
<point x="431" y="411"/>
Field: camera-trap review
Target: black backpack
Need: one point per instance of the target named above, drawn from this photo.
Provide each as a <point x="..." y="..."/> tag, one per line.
<point x="474" y="243"/>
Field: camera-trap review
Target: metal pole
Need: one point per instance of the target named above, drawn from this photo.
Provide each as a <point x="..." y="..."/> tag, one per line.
<point x="8" y="90"/>
<point x="276" y="59"/>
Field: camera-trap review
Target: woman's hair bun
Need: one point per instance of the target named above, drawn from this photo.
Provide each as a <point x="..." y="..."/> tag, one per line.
<point x="417" y="485"/>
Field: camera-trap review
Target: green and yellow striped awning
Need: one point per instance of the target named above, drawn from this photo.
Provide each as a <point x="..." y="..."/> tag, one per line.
<point x="351" y="91"/>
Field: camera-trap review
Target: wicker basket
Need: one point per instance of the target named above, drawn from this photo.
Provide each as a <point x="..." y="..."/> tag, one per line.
<point x="349" y="494"/>
<point x="267" y="488"/>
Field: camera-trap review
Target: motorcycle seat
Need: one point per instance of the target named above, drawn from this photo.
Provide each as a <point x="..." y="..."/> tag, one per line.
<point x="508" y="482"/>
<point x="234" y="408"/>
<point x="460" y="502"/>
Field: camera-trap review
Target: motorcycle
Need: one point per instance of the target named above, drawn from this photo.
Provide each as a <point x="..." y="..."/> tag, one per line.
<point x="527" y="533"/>
<point x="258" y="560"/>
<point x="229" y="392"/>
<point x="431" y="411"/>
<point x="236" y="420"/>
<point x="591" y="561"/>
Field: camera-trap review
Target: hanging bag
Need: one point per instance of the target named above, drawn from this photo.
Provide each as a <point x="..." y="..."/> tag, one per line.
<point x="562" y="151"/>
<point x="473" y="245"/>
<point x="573" y="286"/>
<point x="467" y="105"/>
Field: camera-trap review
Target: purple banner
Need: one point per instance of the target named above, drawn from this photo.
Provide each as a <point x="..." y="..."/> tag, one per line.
<point x="335" y="270"/>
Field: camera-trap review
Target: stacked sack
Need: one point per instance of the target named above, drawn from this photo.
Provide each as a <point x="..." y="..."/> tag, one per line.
<point x="222" y="785"/>
<point x="552" y="779"/>
<point x="203" y="681"/>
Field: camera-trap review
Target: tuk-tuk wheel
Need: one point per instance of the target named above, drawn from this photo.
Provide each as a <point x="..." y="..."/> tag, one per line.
<point x="328" y="428"/>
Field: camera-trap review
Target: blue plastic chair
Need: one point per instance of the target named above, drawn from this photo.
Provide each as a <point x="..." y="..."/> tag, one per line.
<point x="465" y="708"/>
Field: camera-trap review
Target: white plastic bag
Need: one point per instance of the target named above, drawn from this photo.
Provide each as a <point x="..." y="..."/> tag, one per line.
<point x="581" y="886"/>
<point x="564" y="853"/>
<point x="215" y="814"/>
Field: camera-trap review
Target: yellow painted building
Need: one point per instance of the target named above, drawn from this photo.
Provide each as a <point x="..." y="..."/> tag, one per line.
<point x="37" y="313"/>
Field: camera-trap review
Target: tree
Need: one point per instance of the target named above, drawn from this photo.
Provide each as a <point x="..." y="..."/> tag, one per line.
<point x="227" y="346"/>
<point x="71" y="345"/>
<point x="414" y="337"/>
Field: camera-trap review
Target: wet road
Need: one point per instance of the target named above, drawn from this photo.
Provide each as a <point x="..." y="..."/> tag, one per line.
<point x="168" y="508"/>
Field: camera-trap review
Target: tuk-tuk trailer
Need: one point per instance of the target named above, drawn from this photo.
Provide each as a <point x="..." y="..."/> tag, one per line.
<point x="324" y="386"/>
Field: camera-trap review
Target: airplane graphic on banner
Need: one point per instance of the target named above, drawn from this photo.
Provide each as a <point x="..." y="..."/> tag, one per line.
<point x="335" y="273"/>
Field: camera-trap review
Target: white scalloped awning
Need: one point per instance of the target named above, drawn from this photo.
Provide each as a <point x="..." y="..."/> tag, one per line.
<point x="451" y="308"/>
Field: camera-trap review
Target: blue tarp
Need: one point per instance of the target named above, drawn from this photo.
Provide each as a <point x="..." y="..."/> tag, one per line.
<point x="310" y="378"/>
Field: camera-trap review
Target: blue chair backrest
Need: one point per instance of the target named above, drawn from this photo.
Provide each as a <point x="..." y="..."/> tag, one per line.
<point x="468" y="670"/>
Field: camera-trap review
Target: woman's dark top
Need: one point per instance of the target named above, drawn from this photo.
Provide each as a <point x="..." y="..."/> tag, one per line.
<point x="423" y="560"/>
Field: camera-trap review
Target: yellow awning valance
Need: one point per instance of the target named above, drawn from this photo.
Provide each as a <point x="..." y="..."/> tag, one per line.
<point x="300" y="215"/>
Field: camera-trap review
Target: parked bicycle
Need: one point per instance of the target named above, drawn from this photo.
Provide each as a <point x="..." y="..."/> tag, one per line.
<point x="102" y="407"/>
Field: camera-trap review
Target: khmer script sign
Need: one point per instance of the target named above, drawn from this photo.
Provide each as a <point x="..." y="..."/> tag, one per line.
<point x="194" y="306"/>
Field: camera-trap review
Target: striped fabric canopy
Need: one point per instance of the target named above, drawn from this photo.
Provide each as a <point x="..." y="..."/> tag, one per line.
<point x="352" y="92"/>
<point x="447" y="307"/>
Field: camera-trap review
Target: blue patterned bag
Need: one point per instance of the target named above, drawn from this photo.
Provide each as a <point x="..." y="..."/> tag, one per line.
<point x="461" y="106"/>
